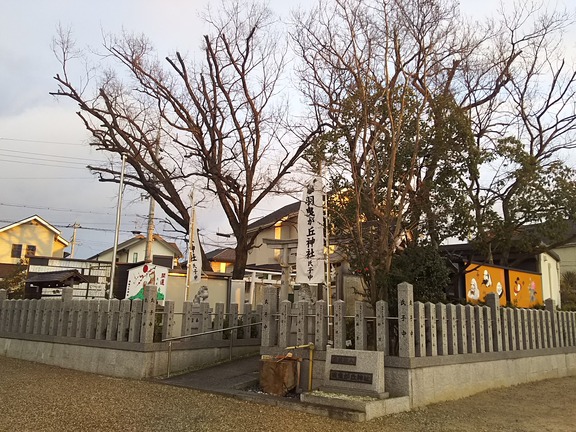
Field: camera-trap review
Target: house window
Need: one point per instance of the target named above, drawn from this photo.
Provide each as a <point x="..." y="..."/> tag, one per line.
<point x="135" y="257"/>
<point x="30" y="250"/>
<point x="16" y="251"/>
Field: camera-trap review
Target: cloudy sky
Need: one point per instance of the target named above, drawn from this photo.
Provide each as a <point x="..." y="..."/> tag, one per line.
<point x="43" y="146"/>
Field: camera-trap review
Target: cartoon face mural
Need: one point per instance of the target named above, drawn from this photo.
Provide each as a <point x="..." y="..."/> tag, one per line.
<point x="487" y="279"/>
<point x="473" y="292"/>
<point x="492" y="279"/>
<point x="525" y="289"/>
<point x="499" y="289"/>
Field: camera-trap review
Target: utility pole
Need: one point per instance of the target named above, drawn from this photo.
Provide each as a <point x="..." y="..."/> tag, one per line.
<point x="75" y="226"/>
<point x="117" y="230"/>
<point x="150" y="231"/>
<point x="151" y="210"/>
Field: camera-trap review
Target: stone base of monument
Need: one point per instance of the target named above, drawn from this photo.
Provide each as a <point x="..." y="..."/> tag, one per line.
<point x="359" y="408"/>
<point x="354" y="381"/>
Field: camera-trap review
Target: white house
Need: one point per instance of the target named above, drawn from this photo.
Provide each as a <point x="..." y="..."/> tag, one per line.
<point x="133" y="250"/>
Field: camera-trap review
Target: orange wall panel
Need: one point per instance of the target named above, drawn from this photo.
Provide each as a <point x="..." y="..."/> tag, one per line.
<point x="525" y="289"/>
<point x="483" y="279"/>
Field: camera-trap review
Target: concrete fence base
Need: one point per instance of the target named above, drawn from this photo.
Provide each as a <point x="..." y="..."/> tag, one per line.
<point x="462" y="376"/>
<point x="126" y="360"/>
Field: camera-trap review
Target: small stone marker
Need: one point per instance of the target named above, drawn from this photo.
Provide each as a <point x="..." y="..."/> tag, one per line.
<point x="406" y="320"/>
<point x="355" y="372"/>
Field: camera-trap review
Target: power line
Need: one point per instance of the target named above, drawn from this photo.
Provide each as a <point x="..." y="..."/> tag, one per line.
<point x="48" y="165"/>
<point x="40" y="141"/>
<point x="46" y="178"/>
<point x="57" y="209"/>
<point x="27" y="158"/>
<point x="46" y="154"/>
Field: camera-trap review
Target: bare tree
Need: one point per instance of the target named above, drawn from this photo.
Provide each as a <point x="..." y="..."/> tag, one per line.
<point x="418" y="102"/>
<point x="220" y="122"/>
<point x="521" y="190"/>
<point x="376" y="70"/>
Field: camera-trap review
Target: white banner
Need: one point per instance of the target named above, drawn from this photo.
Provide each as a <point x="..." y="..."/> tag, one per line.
<point x="195" y="254"/>
<point x="310" y="253"/>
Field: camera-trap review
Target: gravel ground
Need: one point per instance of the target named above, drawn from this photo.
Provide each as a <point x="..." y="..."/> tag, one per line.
<point x="36" y="397"/>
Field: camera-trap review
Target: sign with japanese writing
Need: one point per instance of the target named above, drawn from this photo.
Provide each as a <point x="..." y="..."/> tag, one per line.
<point x="147" y="274"/>
<point x="310" y="253"/>
<point x="195" y="257"/>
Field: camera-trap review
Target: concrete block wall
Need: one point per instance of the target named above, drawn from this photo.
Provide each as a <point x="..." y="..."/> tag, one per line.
<point x="120" y="359"/>
<point x="440" y="381"/>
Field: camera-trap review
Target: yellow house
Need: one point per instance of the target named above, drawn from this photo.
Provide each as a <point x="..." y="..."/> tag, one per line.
<point x="30" y="237"/>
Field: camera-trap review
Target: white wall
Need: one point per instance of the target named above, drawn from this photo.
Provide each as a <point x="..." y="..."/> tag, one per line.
<point x="139" y="248"/>
<point x="550" y="269"/>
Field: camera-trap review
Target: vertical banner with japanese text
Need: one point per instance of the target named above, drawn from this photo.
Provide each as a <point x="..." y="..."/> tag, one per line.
<point x="195" y="254"/>
<point x="310" y="252"/>
<point x="194" y="268"/>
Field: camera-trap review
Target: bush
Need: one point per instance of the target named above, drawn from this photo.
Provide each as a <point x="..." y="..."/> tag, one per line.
<point x="568" y="290"/>
<point x="425" y="269"/>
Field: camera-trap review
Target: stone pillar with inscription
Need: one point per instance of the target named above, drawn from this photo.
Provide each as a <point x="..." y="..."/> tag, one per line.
<point x="148" y="314"/>
<point x="504" y="327"/>
<point x="461" y="329"/>
<point x="405" y="320"/>
<point x="360" y="333"/>
<point x="113" y="318"/>
<point x="302" y="323"/>
<point x="511" y="329"/>
<point x="268" y="316"/>
<point x="452" y="332"/>
<point x="31" y="316"/>
<point x="470" y="328"/>
<point x="442" y="329"/>
<point x="135" y="320"/>
<point x="382" y="326"/>
<point x="431" y="331"/>
<point x="479" y="319"/>
<point x="419" y="329"/>
<point x="321" y="325"/>
<point x="339" y="324"/>
<point x="168" y="319"/>
<point x="494" y="304"/>
<point x="124" y="320"/>
<point x="284" y="323"/>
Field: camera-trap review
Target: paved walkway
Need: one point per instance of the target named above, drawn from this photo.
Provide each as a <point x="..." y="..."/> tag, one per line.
<point x="225" y="378"/>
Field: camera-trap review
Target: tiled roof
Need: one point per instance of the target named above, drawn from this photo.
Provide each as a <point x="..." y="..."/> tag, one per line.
<point x="57" y="277"/>
<point x="227" y="255"/>
<point x="275" y="216"/>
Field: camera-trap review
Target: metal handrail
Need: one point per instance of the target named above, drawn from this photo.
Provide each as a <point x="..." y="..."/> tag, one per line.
<point x="169" y="340"/>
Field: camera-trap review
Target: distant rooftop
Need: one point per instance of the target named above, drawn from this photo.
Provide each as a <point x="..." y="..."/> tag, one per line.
<point x="275" y="216"/>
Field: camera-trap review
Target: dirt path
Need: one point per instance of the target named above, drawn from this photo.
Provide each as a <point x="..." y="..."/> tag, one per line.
<point x="35" y="397"/>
